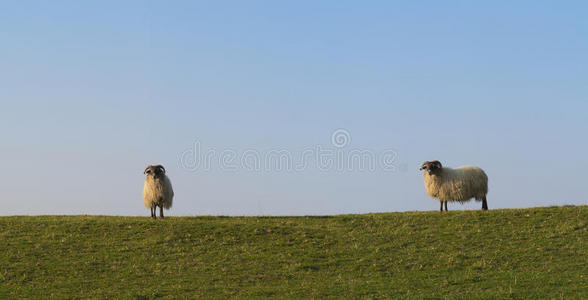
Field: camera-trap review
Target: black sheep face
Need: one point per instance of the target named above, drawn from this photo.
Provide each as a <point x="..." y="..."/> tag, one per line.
<point x="156" y="171"/>
<point x="431" y="167"/>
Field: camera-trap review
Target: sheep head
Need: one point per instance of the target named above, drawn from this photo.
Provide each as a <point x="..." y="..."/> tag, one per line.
<point x="431" y="166"/>
<point x="155" y="171"/>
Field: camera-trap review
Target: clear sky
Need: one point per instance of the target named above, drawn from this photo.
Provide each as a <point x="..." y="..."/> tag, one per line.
<point x="93" y="92"/>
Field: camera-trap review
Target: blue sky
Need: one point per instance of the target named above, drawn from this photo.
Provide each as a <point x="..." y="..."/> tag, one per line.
<point x="93" y="92"/>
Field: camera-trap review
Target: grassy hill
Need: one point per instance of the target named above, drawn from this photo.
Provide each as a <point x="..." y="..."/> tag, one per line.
<point x="523" y="253"/>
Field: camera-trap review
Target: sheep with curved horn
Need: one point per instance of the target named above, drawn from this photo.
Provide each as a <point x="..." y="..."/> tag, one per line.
<point x="157" y="191"/>
<point x="455" y="184"/>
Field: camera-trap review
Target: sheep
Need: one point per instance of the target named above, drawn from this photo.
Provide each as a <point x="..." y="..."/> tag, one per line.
<point x="157" y="190"/>
<point x="458" y="184"/>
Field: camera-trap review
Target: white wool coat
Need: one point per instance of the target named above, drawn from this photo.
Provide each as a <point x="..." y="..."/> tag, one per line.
<point x="158" y="192"/>
<point x="457" y="184"/>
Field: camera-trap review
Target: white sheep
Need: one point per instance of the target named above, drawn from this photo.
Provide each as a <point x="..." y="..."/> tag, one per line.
<point x="157" y="190"/>
<point x="455" y="184"/>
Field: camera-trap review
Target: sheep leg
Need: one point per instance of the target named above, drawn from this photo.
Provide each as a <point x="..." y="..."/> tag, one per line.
<point x="152" y="209"/>
<point x="161" y="211"/>
<point x="445" y="205"/>
<point x="484" y="204"/>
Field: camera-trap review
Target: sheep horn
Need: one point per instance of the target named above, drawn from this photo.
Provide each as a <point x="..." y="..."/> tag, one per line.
<point x="145" y="172"/>
<point x="161" y="167"/>
<point x="423" y="165"/>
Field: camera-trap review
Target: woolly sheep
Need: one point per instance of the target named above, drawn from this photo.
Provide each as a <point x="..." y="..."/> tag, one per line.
<point x="157" y="190"/>
<point x="455" y="184"/>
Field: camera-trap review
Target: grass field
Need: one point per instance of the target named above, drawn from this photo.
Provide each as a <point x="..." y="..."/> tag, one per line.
<point x="523" y="253"/>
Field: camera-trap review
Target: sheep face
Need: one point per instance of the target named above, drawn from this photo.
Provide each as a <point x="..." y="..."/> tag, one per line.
<point x="431" y="167"/>
<point x="155" y="171"/>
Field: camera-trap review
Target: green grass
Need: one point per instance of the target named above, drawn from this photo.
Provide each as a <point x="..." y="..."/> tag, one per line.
<point x="523" y="253"/>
